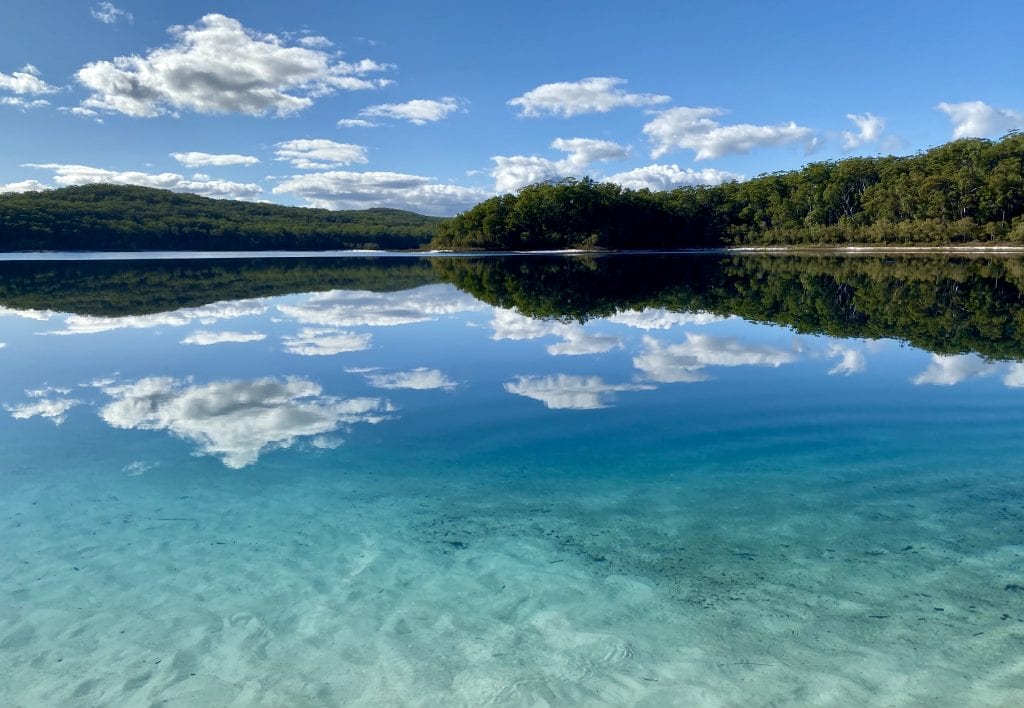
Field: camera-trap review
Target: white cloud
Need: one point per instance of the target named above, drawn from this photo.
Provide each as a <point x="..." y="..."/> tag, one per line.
<point x="236" y="421"/>
<point x="363" y="190"/>
<point x="206" y="315"/>
<point x="951" y="370"/>
<point x="204" y="338"/>
<point x="205" y="159"/>
<point x="25" y="81"/>
<point x="316" y="41"/>
<point x="851" y="361"/>
<point x="54" y="409"/>
<point x="598" y="94"/>
<point x="517" y="171"/>
<point x="657" y="318"/>
<point x="39" y="315"/>
<point x="685" y="362"/>
<point x="977" y="119"/>
<point x="563" y="391"/>
<point x="356" y="123"/>
<point x="660" y="178"/>
<point x="325" y="342"/>
<point x="420" y="379"/>
<point x="417" y="111"/>
<point x="106" y="13"/>
<point x="219" y="66"/>
<point x="694" y="129"/>
<point x="65" y="175"/>
<point x="28" y="185"/>
<point x="22" y="103"/>
<point x="319" y="154"/>
<point x="869" y="130"/>
<point x="1014" y="377"/>
<point x="576" y="341"/>
<point x="353" y="308"/>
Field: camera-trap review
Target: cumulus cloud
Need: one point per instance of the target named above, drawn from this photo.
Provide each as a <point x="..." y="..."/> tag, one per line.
<point x="353" y="308"/>
<point x="869" y="130"/>
<point x="951" y="370"/>
<point x="54" y="409"/>
<point x="108" y="14"/>
<point x="356" y="123"/>
<point x="576" y="341"/>
<point x="685" y="362"/>
<point x="236" y="421"/>
<point x="598" y="94"/>
<point x="319" y="154"/>
<point x="23" y="103"/>
<point x="204" y="338"/>
<point x="420" y="379"/>
<point x="65" y="175"/>
<point x="660" y="178"/>
<point x="311" y="341"/>
<point x="364" y="190"/>
<point x="658" y="318"/>
<point x="206" y="315"/>
<point x="219" y="66"/>
<point x="851" y="361"/>
<point x="418" y="111"/>
<point x="205" y="159"/>
<point x="695" y="129"/>
<point x="977" y="119"/>
<point x="28" y="185"/>
<point x="563" y="391"/>
<point x="25" y="81"/>
<point x="517" y="171"/>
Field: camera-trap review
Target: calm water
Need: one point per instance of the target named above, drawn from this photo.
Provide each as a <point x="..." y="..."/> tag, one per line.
<point x="523" y="481"/>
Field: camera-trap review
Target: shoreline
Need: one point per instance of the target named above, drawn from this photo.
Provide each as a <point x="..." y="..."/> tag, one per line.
<point x="38" y="256"/>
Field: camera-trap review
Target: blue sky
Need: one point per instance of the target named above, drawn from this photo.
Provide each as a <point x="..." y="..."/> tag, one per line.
<point x="433" y="106"/>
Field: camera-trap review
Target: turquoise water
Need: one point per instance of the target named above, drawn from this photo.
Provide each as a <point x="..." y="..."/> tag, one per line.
<point x="412" y="496"/>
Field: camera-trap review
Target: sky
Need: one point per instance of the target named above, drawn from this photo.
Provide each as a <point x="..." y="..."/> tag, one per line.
<point x="435" y="106"/>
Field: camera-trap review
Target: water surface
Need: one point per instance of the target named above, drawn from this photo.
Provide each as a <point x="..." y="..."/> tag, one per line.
<point x="671" y="480"/>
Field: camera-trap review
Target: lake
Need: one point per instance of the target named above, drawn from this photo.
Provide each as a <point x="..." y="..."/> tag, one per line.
<point x="536" y="480"/>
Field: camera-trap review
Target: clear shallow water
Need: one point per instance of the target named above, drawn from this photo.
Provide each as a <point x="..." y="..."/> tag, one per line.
<point x="399" y="493"/>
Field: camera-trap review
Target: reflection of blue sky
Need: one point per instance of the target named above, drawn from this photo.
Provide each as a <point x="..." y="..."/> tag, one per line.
<point x="236" y="420"/>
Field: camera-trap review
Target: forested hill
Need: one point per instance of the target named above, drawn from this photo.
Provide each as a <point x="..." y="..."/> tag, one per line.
<point x="966" y="191"/>
<point x="104" y="217"/>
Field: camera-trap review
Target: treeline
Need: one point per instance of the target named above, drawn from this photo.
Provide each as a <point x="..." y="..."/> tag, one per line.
<point x="121" y="288"/>
<point x="104" y="217"/>
<point x="945" y="306"/>
<point x="966" y="191"/>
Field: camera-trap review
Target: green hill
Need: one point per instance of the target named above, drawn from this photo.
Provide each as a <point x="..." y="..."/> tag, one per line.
<point x="966" y="191"/>
<point x="104" y="217"/>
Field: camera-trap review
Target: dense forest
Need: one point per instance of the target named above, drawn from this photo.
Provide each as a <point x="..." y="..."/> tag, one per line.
<point x="967" y="191"/>
<point x="947" y="306"/>
<point x="105" y="217"/>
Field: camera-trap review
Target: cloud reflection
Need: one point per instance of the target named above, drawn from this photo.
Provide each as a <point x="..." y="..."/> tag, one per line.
<point x="951" y="370"/>
<point x="351" y="308"/>
<point x="236" y="421"/>
<point x="658" y="318"/>
<point x="685" y="362"/>
<point x="851" y="360"/>
<point x="204" y="338"/>
<point x="420" y="379"/>
<point x="576" y="341"/>
<point x="326" y="342"/>
<point x="206" y="314"/>
<point x="563" y="391"/>
<point x="53" y="409"/>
